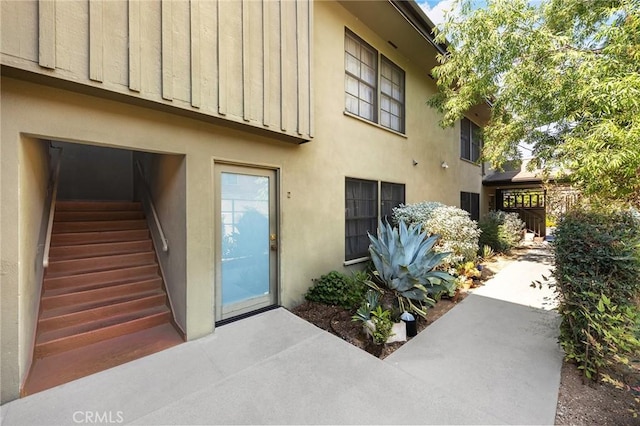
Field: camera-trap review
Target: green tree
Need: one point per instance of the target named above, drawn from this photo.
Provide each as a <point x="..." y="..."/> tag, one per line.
<point x="561" y="75"/>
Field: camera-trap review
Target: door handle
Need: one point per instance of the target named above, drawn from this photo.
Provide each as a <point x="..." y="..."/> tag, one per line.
<point x="274" y="243"/>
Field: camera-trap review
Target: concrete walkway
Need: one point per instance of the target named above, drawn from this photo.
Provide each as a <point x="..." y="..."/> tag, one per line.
<point x="493" y="359"/>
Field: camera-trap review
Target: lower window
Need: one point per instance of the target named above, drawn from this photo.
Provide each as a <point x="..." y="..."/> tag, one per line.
<point x="363" y="208"/>
<point x="470" y="201"/>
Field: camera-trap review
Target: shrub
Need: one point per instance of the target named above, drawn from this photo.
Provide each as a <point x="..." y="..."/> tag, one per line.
<point x="501" y="231"/>
<point x="404" y="262"/>
<point x="336" y="288"/>
<point x="458" y="234"/>
<point x="382" y="325"/>
<point x="597" y="273"/>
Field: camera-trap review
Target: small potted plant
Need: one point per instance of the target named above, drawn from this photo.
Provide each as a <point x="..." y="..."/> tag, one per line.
<point x="378" y="323"/>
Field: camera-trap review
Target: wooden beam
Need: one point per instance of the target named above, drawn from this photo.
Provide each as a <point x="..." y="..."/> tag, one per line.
<point x="196" y="82"/>
<point x="167" y="50"/>
<point x="134" y="46"/>
<point x="284" y="53"/>
<point x="96" y="39"/>
<point x="246" y="63"/>
<point x="300" y="77"/>
<point x="310" y="71"/>
<point x="266" y="63"/>
<point x="47" y="33"/>
<point x="222" y="62"/>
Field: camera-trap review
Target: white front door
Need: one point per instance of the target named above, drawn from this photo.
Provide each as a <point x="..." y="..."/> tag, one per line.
<point x="246" y="243"/>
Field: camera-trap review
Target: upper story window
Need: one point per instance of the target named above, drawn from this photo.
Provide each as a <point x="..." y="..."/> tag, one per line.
<point x="377" y="96"/>
<point x="470" y="140"/>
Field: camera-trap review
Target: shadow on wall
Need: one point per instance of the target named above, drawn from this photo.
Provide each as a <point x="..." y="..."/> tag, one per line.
<point x="95" y="173"/>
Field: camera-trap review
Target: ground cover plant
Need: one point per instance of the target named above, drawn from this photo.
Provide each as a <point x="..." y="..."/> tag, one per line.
<point x="336" y="288"/>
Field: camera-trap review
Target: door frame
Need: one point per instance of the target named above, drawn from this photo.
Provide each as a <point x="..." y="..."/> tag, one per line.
<point x="217" y="234"/>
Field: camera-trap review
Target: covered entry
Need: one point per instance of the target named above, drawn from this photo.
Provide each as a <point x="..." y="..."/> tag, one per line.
<point x="528" y="203"/>
<point x="106" y="280"/>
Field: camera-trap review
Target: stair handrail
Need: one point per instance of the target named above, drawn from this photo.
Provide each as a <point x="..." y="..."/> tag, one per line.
<point x="154" y="213"/>
<point x="531" y="217"/>
<point x="52" y="209"/>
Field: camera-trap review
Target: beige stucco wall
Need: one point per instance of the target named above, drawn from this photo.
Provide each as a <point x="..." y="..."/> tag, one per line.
<point x="311" y="176"/>
<point x="167" y="184"/>
<point x="34" y="179"/>
<point x="26" y="163"/>
<point x="366" y="151"/>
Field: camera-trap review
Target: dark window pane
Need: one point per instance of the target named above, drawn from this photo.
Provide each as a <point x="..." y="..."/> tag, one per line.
<point x="361" y="216"/>
<point x="476" y="143"/>
<point x="465" y="139"/>
<point x="470" y="201"/>
<point x="391" y="195"/>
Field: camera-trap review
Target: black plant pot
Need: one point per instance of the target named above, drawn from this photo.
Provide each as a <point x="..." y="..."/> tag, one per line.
<point x="412" y="327"/>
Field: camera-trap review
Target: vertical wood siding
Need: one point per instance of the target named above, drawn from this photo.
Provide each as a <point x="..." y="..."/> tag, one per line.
<point x="246" y="61"/>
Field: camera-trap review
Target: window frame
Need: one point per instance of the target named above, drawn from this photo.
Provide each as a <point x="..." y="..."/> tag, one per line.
<point x="392" y="99"/>
<point x="361" y="255"/>
<point x="374" y="86"/>
<point x="378" y="93"/>
<point x="470" y="141"/>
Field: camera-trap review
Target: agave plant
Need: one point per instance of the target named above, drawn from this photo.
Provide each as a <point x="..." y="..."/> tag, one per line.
<point x="404" y="260"/>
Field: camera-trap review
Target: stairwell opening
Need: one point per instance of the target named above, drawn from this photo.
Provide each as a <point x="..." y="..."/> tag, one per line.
<point x="113" y="289"/>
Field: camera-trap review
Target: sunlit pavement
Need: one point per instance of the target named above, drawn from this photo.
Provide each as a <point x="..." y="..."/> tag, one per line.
<point x="493" y="359"/>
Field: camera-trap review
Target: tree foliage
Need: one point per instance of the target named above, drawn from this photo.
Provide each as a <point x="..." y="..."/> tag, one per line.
<point x="561" y="75"/>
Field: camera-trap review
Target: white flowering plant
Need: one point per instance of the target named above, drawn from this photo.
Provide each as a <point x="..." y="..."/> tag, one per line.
<point x="459" y="234"/>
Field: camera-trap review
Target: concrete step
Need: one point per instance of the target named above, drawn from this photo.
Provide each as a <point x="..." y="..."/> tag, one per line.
<point x="73" y="364"/>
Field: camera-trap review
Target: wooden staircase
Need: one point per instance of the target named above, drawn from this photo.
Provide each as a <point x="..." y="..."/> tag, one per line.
<point x="103" y="300"/>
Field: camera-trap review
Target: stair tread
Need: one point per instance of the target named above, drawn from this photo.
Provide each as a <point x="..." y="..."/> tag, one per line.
<point x="94" y="215"/>
<point x="93" y="326"/>
<point x="75" y="205"/>
<point x="87" y="237"/>
<point x="92" y="285"/>
<point x="50" y="296"/>
<point x="83" y="251"/>
<point x="61" y="368"/>
<point x="72" y="267"/>
<point x="103" y="300"/>
<point x="102" y="277"/>
<point x="50" y="314"/>
<point x="97" y="225"/>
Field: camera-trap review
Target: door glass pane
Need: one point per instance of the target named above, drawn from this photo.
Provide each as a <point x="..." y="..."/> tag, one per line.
<point x="245" y="237"/>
